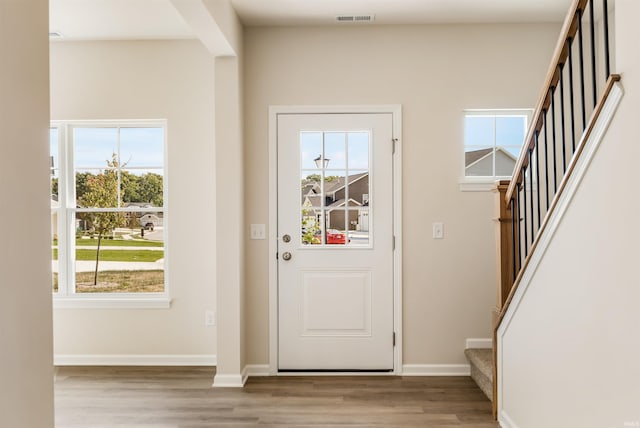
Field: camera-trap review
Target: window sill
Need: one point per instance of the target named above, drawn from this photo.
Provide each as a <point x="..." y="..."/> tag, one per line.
<point x="111" y="302"/>
<point x="479" y="184"/>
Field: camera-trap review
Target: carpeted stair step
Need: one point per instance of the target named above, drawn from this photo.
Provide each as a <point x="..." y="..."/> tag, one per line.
<point x="481" y="361"/>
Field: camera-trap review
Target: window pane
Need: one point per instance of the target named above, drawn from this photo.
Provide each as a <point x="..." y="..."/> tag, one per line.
<point x="54" y="180"/>
<point x="506" y="159"/>
<point x="310" y="231"/>
<point x="97" y="188"/>
<point x="94" y="147"/>
<point x="142" y="188"/>
<point x="53" y="147"/>
<point x="478" y="162"/>
<point x="129" y="259"/>
<point x="335" y="149"/>
<point x="358" y="234"/>
<point x="142" y="147"/>
<point x="478" y="131"/>
<point x="358" y="150"/>
<point x="310" y="149"/>
<point x="337" y="236"/>
<point x="510" y="130"/>
<point x="54" y="250"/>
<point x="358" y="188"/>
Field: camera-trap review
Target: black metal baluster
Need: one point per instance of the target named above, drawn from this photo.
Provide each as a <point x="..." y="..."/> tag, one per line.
<point x="593" y="52"/>
<point x="538" y="175"/>
<point x="513" y="237"/>
<point x="546" y="158"/>
<point x="564" y="129"/>
<point x="530" y="154"/>
<point x="583" y="99"/>
<point x="605" y="21"/>
<point x="526" y="222"/>
<point x="553" y="139"/>
<point x="571" y="97"/>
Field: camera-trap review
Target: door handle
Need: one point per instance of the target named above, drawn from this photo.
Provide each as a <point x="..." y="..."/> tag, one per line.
<point x="286" y="256"/>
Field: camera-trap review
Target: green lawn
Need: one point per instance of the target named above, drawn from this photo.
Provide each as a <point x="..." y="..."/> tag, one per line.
<point x="117" y="255"/>
<point x="118" y="243"/>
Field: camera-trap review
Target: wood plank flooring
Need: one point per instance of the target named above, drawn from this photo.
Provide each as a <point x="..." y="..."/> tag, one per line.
<point x="171" y="397"/>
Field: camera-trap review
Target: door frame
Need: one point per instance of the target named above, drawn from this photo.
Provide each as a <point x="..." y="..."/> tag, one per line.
<point x="396" y="112"/>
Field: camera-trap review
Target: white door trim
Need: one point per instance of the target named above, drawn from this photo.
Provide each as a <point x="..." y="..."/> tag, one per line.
<point x="274" y="111"/>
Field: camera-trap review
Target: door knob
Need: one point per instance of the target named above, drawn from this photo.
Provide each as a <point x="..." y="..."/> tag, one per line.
<point x="286" y="256"/>
<point x="286" y="238"/>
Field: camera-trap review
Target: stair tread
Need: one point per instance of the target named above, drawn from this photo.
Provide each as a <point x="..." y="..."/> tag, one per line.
<point x="482" y="359"/>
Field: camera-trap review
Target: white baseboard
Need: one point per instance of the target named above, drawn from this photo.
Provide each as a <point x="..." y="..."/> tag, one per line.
<point x="229" y="380"/>
<point x="134" y="360"/>
<point x="479" y="344"/>
<point x="256" y="370"/>
<point x="505" y="421"/>
<point x="436" y="370"/>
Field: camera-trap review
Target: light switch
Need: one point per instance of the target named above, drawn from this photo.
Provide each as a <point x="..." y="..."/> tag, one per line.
<point x="258" y="231"/>
<point x="210" y="317"/>
<point x="438" y="231"/>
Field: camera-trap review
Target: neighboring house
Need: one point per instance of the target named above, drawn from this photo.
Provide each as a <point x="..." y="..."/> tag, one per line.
<point x="479" y="163"/>
<point x="149" y="221"/>
<point x="135" y="220"/>
<point x="337" y="208"/>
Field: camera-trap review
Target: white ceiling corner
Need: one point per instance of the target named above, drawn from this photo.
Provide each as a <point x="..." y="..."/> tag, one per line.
<point x="117" y="19"/>
<point x="159" y="19"/>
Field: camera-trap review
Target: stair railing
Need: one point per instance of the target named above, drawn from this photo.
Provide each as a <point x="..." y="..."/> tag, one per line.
<point x="577" y="84"/>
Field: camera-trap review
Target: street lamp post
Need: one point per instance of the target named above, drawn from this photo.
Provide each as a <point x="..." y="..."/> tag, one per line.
<point x="322" y="163"/>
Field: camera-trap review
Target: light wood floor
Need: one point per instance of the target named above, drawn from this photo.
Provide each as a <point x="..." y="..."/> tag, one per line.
<point x="164" y="397"/>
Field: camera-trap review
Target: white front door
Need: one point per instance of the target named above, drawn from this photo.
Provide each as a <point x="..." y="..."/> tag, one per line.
<point x="335" y="242"/>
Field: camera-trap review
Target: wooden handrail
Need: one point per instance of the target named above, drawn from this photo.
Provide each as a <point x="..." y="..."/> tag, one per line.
<point x="507" y="248"/>
<point x="520" y="229"/>
<point x="572" y="164"/>
<point x="569" y="30"/>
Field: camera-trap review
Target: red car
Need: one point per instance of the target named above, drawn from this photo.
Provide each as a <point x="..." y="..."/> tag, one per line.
<point x="334" y="236"/>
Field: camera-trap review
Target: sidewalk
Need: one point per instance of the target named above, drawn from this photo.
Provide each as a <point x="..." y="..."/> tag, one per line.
<point x="89" y="266"/>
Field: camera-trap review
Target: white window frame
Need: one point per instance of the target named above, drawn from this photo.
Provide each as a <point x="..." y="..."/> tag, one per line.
<point x="66" y="297"/>
<point x="486" y="183"/>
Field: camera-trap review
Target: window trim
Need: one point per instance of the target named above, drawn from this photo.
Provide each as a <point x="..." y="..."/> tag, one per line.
<point x="66" y="297"/>
<point x="486" y="183"/>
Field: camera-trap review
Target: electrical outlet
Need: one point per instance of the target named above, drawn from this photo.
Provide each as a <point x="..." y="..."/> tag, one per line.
<point x="209" y="318"/>
<point x="438" y="231"/>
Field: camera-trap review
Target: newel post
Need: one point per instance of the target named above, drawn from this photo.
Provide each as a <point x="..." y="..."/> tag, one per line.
<point x="505" y="249"/>
<point x="505" y="244"/>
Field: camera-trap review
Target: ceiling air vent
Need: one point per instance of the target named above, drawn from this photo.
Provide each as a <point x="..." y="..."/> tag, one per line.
<point x="355" y="18"/>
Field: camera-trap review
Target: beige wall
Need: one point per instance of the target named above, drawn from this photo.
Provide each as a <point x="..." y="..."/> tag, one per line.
<point x="580" y="311"/>
<point x="26" y="365"/>
<point x="434" y="72"/>
<point x="171" y="80"/>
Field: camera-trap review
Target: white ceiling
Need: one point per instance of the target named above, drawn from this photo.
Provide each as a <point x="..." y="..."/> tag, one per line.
<point x="117" y="19"/>
<point x="158" y="19"/>
<point x="323" y="12"/>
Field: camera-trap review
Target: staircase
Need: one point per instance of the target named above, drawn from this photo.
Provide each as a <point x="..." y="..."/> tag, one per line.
<point x="573" y="97"/>
<point x="481" y="361"/>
